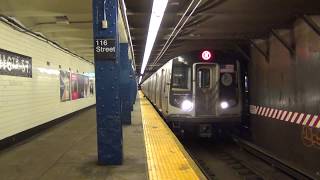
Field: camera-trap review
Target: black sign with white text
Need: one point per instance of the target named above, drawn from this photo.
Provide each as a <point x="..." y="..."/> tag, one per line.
<point x="13" y="64"/>
<point x="105" y="49"/>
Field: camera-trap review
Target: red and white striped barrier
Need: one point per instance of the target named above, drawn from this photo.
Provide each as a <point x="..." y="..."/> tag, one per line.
<point x="287" y="116"/>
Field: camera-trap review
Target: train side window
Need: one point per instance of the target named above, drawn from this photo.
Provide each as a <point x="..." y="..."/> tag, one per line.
<point x="204" y="78"/>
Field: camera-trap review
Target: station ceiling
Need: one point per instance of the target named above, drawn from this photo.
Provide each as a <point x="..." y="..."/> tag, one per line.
<point x="68" y="22"/>
<point x="219" y="24"/>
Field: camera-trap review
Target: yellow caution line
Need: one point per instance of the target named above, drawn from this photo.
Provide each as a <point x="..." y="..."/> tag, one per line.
<point x="167" y="159"/>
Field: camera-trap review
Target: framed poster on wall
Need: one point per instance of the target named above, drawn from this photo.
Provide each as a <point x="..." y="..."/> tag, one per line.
<point x="64" y="86"/>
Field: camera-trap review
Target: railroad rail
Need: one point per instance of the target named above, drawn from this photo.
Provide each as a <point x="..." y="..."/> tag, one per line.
<point x="236" y="158"/>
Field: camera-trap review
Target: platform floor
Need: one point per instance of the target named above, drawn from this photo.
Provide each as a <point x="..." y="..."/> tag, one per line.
<point x="167" y="158"/>
<point x="68" y="151"/>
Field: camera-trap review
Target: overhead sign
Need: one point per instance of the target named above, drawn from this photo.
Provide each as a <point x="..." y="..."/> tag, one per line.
<point x="207" y="55"/>
<point x="227" y="68"/>
<point x="13" y="64"/>
<point x="105" y="49"/>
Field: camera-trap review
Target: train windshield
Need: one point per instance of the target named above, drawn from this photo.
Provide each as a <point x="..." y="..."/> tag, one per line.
<point x="181" y="77"/>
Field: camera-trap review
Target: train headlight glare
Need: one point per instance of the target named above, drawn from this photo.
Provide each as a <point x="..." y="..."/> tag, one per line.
<point x="224" y="105"/>
<point x="186" y="105"/>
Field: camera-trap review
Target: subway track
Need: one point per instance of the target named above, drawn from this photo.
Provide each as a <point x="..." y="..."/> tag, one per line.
<point x="227" y="159"/>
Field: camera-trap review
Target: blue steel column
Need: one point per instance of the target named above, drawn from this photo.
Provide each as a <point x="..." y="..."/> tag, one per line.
<point x="109" y="127"/>
<point x="133" y="87"/>
<point x="125" y="84"/>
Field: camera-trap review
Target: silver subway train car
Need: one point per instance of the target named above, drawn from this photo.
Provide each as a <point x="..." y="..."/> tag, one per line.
<point x="199" y="92"/>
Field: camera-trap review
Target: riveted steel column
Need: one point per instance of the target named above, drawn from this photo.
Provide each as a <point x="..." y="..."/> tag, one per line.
<point x="133" y="87"/>
<point x="109" y="127"/>
<point x="125" y="84"/>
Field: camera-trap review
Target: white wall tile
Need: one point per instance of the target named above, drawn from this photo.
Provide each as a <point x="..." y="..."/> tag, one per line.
<point x="29" y="102"/>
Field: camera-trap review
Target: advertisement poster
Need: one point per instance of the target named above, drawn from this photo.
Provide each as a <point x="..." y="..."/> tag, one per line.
<point x="86" y="86"/>
<point x="64" y="86"/>
<point x="91" y="87"/>
<point x="75" y="91"/>
<point x="81" y="86"/>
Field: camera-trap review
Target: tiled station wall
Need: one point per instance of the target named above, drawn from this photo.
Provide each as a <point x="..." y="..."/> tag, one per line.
<point x="29" y="102"/>
<point x="288" y="83"/>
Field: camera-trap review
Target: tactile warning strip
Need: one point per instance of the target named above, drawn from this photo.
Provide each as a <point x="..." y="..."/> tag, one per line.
<point x="167" y="159"/>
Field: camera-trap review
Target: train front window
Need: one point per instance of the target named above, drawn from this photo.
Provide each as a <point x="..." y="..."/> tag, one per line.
<point x="204" y="78"/>
<point x="181" y="76"/>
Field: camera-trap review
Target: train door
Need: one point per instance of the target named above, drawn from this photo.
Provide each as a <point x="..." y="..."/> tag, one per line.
<point x="166" y="90"/>
<point x="152" y="93"/>
<point x="155" y="89"/>
<point x="158" y="89"/>
<point x="161" y="89"/>
<point x="206" y="85"/>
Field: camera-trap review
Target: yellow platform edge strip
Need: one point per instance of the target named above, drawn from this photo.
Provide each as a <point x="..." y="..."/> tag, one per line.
<point x="166" y="157"/>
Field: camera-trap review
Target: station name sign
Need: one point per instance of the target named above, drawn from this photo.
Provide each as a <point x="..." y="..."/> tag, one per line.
<point x="13" y="64"/>
<point x="105" y="49"/>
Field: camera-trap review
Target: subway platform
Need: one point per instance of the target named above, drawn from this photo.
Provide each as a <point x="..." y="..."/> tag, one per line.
<point x="69" y="151"/>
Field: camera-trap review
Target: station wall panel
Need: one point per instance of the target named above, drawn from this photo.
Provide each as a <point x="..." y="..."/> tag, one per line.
<point x="288" y="82"/>
<point x="28" y="102"/>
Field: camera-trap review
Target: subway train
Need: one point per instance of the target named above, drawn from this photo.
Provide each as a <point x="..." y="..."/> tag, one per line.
<point x="199" y="92"/>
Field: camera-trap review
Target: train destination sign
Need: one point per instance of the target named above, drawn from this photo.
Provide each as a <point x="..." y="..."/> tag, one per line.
<point x="105" y="49"/>
<point x="13" y="64"/>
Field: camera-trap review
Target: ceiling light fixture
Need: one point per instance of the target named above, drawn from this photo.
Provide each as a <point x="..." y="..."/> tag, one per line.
<point x="140" y="79"/>
<point x="171" y="39"/>
<point x="158" y="8"/>
<point x="62" y="20"/>
<point x="104" y="21"/>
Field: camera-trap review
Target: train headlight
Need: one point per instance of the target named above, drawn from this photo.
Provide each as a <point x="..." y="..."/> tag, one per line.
<point x="224" y="105"/>
<point x="186" y="105"/>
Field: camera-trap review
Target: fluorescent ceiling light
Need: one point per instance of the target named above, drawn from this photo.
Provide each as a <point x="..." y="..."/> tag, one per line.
<point x="158" y="8"/>
<point x="140" y="79"/>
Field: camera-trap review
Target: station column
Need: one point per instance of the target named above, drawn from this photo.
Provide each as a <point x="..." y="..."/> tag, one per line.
<point x="107" y="68"/>
<point x="125" y="84"/>
<point x="134" y="87"/>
